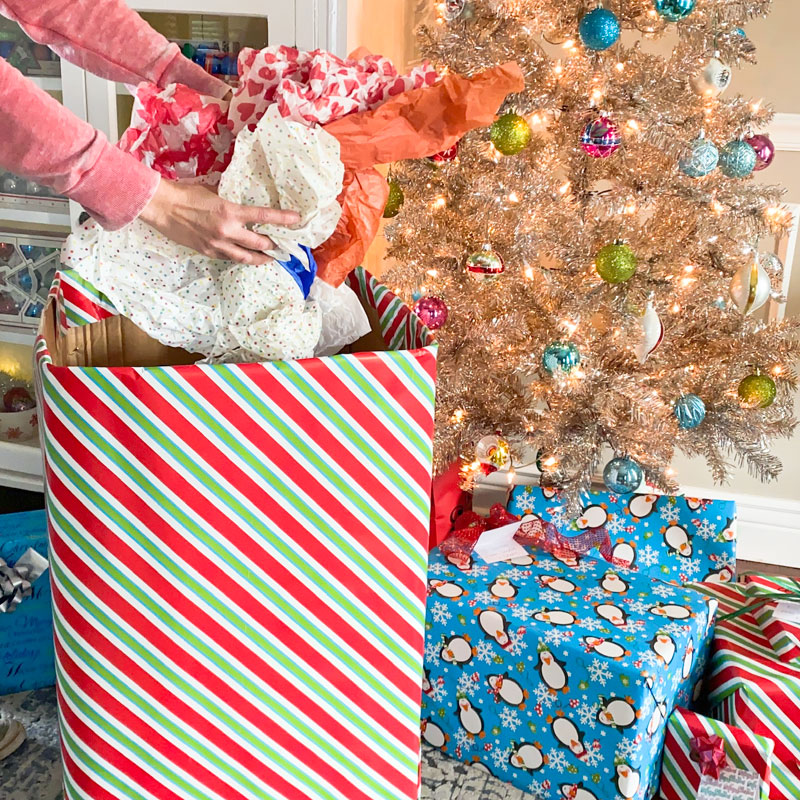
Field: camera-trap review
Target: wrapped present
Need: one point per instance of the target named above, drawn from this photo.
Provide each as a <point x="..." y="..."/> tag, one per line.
<point x="559" y="680"/>
<point x="702" y="751"/>
<point x="26" y="621"/>
<point x="777" y="611"/>
<point x="676" y="539"/>
<point x="239" y="556"/>
<point x="750" y="687"/>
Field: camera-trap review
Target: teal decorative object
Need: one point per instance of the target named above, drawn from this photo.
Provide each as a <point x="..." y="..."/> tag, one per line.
<point x="690" y="411"/>
<point x="674" y="10"/>
<point x="737" y="159"/>
<point x="701" y="158"/>
<point x="599" y="29"/>
<point x="560" y="357"/>
<point x="623" y="475"/>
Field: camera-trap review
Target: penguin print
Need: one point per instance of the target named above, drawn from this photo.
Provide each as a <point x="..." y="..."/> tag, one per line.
<point x="612" y="583"/>
<point x="713" y="605"/>
<point x="624" y="554"/>
<point x="643" y="505"/>
<point x="697" y="691"/>
<point x="470" y="718"/>
<point x="549" y="492"/>
<point x="557" y="584"/>
<point x="464" y="563"/>
<point x="617" y="712"/>
<point x="728" y="533"/>
<point x="576" y="791"/>
<point x="567" y="559"/>
<point x="678" y="540"/>
<point x="457" y="650"/>
<point x="627" y="781"/>
<point x="594" y="516"/>
<point x="671" y="611"/>
<point x="688" y="659"/>
<point x="508" y="690"/>
<point x="426" y="683"/>
<point x="663" y="645"/>
<point x="611" y="613"/>
<point x="447" y="589"/>
<point x="568" y="735"/>
<point x="527" y="756"/>
<point x="555" y="617"/>
<point x="724" y="575"/>
<point x="552" y="671"/>
<point x="657" y="719"/>
<point x="503" y="588"/>
<point x="521" y="561"/>
<point x="494" y="625"/>
<point x="694" y="503"/>
<point x="434" y="735"/>
<point x="605" y="647"/>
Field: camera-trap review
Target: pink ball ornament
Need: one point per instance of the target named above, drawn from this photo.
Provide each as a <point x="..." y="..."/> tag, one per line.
<point x="445" y="156"/>
<point x="765" y="150"/>
<point x="601" y="137"/>
<point x="432" y="311"/>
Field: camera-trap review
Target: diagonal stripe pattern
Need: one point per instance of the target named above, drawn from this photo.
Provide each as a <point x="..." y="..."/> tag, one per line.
<point x="238" y="560"/>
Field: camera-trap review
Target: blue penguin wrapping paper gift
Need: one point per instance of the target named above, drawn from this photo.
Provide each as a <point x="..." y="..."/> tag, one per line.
<point x="675" y="539"/>
<point x="560" y="679"/>
<point x="26" y="634"/>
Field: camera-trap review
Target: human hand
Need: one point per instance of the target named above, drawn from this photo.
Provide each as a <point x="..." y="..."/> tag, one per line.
<point x="195" y="216"/>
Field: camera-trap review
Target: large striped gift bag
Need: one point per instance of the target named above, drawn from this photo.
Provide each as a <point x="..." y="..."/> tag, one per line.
<point x="779" y="618"/>
<point x="743" y="760"/>
<point x="238" y="562"/>
<point x="750" y="687"/>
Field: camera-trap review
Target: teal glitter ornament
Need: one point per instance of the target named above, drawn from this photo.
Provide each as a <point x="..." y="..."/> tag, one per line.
<point x="623" y="475"/>
<point x="560" y="357"/>
<point x="674" y="10"/>
<point x="689" y="410"/>
<point x="599" y="29"/>
<point x="701" y="158"/>
<point x="737" y="159"/>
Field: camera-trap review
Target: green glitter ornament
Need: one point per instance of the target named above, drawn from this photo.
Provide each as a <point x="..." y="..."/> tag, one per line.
<point x="510" y="134"/>
<point x="615" y="263"/>
<point x="395" y="200"/>
<point x="757" y="391"/>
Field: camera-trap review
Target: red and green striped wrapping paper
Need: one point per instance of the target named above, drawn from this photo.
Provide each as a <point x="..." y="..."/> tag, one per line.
<point x="750" y="687"/>
<point x="238" y="558"/>
<point x="784" y="636"/>
<point x="681" y="776"/>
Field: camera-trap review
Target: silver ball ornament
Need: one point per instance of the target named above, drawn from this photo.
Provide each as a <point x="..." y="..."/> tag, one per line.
<point x="713" y="78"/>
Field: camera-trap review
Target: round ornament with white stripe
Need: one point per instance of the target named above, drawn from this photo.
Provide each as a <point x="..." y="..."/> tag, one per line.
<point x="485" y="265"/>
<point x="601" y="137"/>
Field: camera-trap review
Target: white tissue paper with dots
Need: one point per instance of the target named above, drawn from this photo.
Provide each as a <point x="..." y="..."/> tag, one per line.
<point x="224" y="310"/>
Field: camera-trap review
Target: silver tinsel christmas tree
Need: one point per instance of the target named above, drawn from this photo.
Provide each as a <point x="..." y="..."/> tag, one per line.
<point x="596" y="249"/>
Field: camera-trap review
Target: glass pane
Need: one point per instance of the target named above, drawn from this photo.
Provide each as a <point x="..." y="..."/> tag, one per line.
<point x="27" y="267"/>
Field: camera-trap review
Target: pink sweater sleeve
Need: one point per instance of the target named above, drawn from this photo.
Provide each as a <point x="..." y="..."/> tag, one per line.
<point x="45" y="142"/>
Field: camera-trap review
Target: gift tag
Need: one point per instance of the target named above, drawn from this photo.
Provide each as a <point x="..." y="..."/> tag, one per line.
<point x="787" y="612"/>
<point x="732" y="784"/>
<point x="499" y="545"/>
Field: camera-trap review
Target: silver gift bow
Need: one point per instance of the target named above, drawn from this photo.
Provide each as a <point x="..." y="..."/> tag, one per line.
<point x="16" y="583"/>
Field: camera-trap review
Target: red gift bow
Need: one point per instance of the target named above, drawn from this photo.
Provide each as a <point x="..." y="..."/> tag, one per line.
<point x="709" y="751"/>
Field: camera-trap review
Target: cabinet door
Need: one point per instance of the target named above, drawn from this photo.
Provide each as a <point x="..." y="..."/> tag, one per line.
<point x="213" y="38"/>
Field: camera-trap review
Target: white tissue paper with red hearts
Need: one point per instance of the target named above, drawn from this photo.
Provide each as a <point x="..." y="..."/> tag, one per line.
<point x="224" y="310"/>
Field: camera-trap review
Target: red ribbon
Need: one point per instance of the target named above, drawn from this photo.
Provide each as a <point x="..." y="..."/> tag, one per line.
<point x="709" y="751"/>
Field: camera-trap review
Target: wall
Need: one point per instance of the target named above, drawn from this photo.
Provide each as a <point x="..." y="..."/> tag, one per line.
<point x="386" y="25"/>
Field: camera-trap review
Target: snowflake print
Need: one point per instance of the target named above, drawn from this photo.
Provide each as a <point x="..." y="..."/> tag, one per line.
<point x="484" y="597"/>
<point x="650" y="658"/>
<point x="517" y="574"/>
<point x="438" y="569"/>
<point x="440" y="613"/>
<point x="557" y="760"/>
<point x="594" y="755"/>
<point x="432" y="650"/>
<point x="670" y="512"/>
<point x="548" y="564"/>
<point x="543" y="696"/>
<point x="691" y="566"/>
<point x="706" y="529"/>
<point x="663" y="590"/>
<point x="627" y="749"/>
<point x="648" y="556"/>
<point x="639" y="607"/>
<point x="587" y="714"/>
<point x="675" y="627"/>
<point x="484" y="651"/>
<point x="500" y="758"/>
<point x="549" y="597"/>
<point x="518" y="643"/>
<point x="726" y="560"/>
<point x="510" y="719"/>
<point x="558" y="517"/>
<point x="523" y="613"/>
<point x="557" y="636"/>
<point x="592" y="623"/>
<point x="438" y="693"/>
<point x="537" y="789"/>
<point x="461" y="738"/>
<point x="466" y="682"/>
<point x="615" y="524"/>
<point x="595" y="591"/>
<point x="599" y="672"/>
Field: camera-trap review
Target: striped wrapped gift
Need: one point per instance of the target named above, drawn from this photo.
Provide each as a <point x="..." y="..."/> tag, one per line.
<point x="681" y="774"/>
<point x="239" y="561"/>
<point x="751" y="688"/>
<point x="783" y="634"/>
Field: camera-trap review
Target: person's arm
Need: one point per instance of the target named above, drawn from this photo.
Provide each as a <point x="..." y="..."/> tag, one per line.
<point x="110" y="40"/>
<point x="47" y="143"/>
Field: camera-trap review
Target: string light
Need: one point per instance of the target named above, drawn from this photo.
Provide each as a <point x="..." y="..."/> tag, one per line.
<point x="458" y="416"/>
<point x="433" y="273"/>
<point x="565" y="187"/>
<point x="513" y="197"/>
<point x="528" y="272"/>
<point x="439" y="202"/>
<point x="620" y="66"/>
<point x="633" y="125"/>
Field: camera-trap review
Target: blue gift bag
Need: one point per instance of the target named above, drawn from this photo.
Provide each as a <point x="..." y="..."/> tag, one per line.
<point x="675" y="539"/>
<point x="560" y="679"/>
<point x="26" y="633"/>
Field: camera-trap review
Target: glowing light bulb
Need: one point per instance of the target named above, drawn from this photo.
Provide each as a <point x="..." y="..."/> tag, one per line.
<point x="689" y="268"/>
<point x="439" y="202"/>
<point x="596" y="95"/>
<point x="675" y="308"/>
<point x="630" y="208"/>
<point x="634" y="125"/>
<point x="565" y="187"/>
<point x="569" y="326"/>
<point x="433" y="273"/>
<point x="458" y="415"/>
<point x="558" y="69"/>
<point x="528" y="272"/>
<point x="777" y="370"/>
<point x="513" y="197"/>
<point x="568" y="44"/>
<point x="620" y="66"/>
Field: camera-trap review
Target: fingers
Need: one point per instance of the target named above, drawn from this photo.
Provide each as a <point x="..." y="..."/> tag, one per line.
<point x="255" y="215"/>
<point x="253" y="241"/>
<point x="228" y="251"/>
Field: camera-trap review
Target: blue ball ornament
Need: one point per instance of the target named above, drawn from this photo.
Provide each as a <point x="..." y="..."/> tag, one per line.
<point x="701" y="158"/>
<point x="690" y="411"/>
<point x="674" y="10"/>
<point x="623" y="475"/>
<point x="737" y="159"/>
<point x="560" y="357"/>
<point x="599" y="29"/>
<point x="29" y="250"/>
